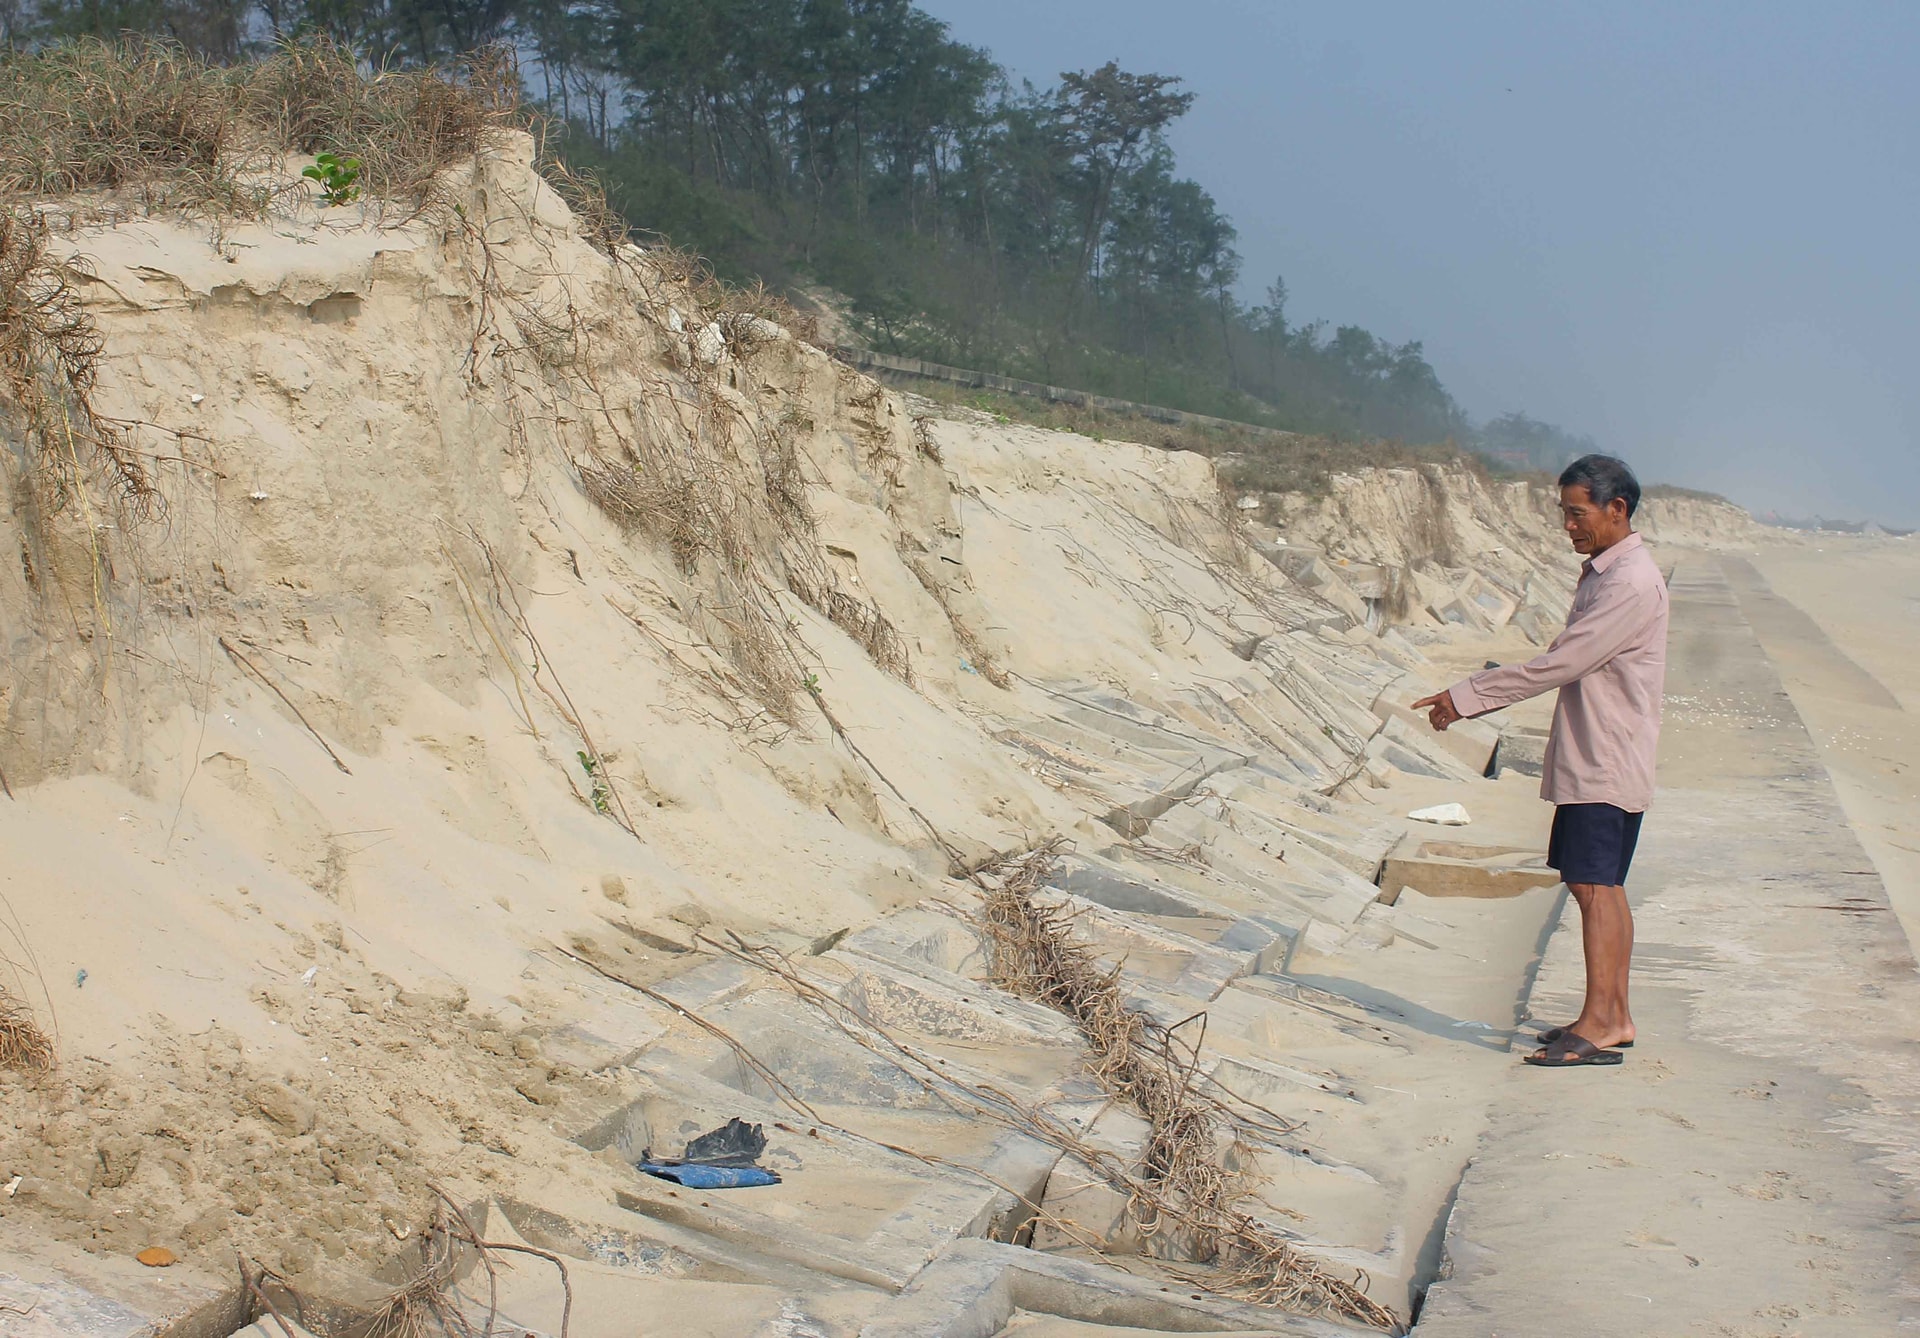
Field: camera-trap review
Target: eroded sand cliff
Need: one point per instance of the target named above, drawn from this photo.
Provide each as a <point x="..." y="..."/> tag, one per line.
<point x="503" y="617"/>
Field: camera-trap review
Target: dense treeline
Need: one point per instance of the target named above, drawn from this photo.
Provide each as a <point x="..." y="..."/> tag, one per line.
<point x="1044" y="233"/>
<point x="1524" y="443"/>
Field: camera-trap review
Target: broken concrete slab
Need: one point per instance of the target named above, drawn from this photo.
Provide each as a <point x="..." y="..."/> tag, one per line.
<point x="1400" y="744"/>
<point x="846" y="1206"/>
<point x="601" y="1299"/>
<point x="59" y="1292"/>
<point x="973" y="1289"/>
<point x="1356" y="837"/>
<point x="1471" y="742"/>
<point x="1309" y="568"/>
<point x="1306" y="858"/>
<point x="1441" y="868"/>
<point x="1521" y="749"/>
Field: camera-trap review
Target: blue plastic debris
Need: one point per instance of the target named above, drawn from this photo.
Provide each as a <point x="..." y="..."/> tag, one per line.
<point x="722" y="1158"/>
<point x="696" y="1176"/>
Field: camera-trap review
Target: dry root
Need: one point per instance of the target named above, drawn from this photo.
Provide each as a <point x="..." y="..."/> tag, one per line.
<point x="49" y="358"/>
<point x="426" y="1305"/>
<point x="1184" y="1202"/>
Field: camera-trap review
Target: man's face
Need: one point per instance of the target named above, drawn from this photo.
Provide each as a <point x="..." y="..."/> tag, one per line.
<point x="1592" y="528"/>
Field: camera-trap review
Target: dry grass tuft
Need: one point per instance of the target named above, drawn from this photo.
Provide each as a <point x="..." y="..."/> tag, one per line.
<point x="687" y="490"/>
<point x="721" y="481"/>
<point x="23" y="1046"/>
<point x="923" y="439"/>
<point x="733" y="306"/>
<point x="142" y="116"/>
<point x="859" y="618"/>
<point x="1185" y="1202"/>
<point x="586" y="196"/>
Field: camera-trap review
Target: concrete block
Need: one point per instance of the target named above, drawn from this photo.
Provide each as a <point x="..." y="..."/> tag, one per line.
<point x="1257" y="856"/>
<point x="1417" y="752"/>
<point x="1268" y="1082"/>
<point x="1308" y="568"/>
<point x="930" y="1005"/>
<point x="1387" y="753"/>
<point x="1177" y="962"/>
<point x="1162" y="738"/>
<point x="1309" y="858"/>
<point x="1457" y="869"/>
<point x="712" y="982"/>
<point x="67" y="1294"/>
<point x="1119" y="889"/>
<point x="1353" y="835"/>
<point x="846" y="1206"/>
<point x="1126" y="787"/>
<point x="1471" y="742"/>
<point x="1521" y="749"/>
<point x="973" y="1289"/>
<point x="611" y="1235"/>
<point x="917" y="938"/>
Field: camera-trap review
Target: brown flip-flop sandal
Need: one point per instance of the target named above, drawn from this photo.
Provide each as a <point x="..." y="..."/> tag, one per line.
<point x="1574" y="1051"/>
<point x="1552" y="1034"/>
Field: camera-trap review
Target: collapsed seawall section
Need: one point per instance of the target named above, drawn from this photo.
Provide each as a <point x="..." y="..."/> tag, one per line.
<point x="484" y="627"/>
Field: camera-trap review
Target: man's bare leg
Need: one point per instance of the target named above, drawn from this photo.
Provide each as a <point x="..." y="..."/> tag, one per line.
<point x="1606" y="936"/>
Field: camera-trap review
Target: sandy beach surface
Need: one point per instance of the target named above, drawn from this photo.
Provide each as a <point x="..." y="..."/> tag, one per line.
<point x="1847" y="645"/>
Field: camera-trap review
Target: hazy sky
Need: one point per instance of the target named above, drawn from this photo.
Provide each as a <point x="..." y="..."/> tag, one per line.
<point x="1691" y="231"/>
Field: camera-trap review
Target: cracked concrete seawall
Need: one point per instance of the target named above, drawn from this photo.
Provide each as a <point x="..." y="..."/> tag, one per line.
<point x="509" y="627"/>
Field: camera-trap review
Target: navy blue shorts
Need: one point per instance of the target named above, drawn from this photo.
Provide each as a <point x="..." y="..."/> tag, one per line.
<point x="1593" y="843"/>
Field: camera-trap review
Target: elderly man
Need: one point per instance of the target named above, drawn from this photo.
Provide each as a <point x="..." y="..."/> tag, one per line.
<point x="1609" y="666"/>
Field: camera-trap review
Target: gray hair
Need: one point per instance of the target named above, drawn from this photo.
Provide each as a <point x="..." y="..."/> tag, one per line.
<point x="1604" y="478"/>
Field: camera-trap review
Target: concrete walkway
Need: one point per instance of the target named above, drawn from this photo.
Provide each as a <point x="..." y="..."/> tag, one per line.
<point x="1754" y="1166"/>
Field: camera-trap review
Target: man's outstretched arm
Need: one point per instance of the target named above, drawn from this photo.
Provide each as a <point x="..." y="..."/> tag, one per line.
<point x="1601" y="633"/>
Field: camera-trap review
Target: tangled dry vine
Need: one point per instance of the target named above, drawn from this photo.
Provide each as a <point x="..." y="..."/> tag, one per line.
<point x="1184" y="1201"/>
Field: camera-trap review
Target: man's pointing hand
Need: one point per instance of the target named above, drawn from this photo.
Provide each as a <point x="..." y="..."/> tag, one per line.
<point x="1442" y="713"/>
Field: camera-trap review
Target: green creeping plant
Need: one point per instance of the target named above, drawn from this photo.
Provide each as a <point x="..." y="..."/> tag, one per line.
<point x="602" y="792"/>
<point x="337" y="177"/>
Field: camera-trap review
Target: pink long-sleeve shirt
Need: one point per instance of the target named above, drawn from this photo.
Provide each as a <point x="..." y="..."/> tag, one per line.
<point x="1610" y="666"/>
